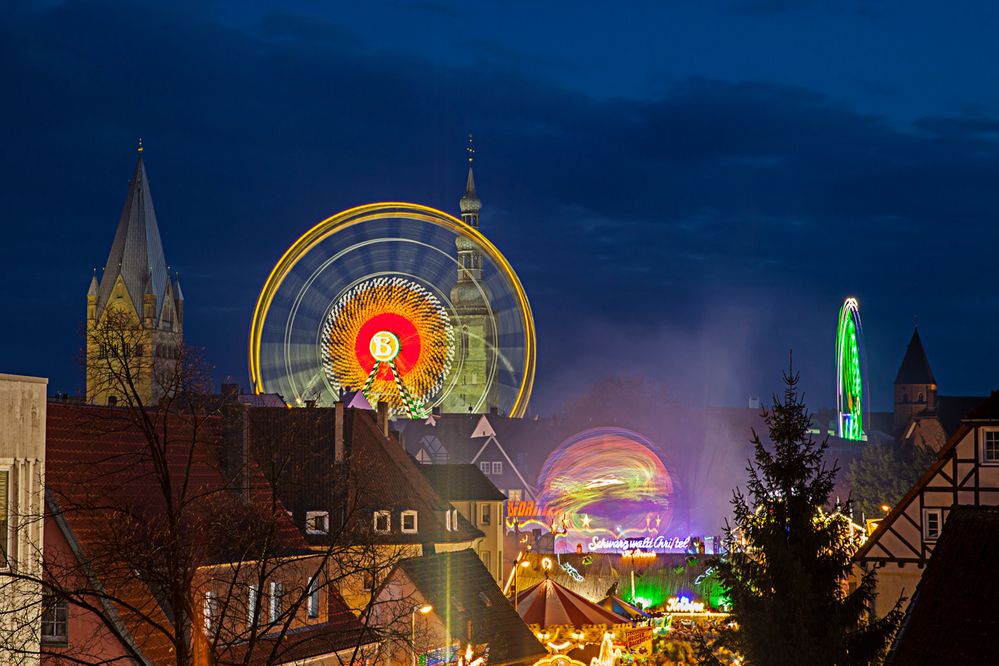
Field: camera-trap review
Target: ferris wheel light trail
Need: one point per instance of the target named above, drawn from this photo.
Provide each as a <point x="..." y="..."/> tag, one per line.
<point x="376" y="299"/>
<point x="849" y="372"/>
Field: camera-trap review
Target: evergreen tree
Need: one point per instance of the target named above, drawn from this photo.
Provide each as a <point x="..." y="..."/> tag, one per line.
<point x="788" y="562"/>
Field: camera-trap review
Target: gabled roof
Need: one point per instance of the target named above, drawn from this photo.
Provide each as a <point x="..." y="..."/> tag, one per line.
<point x="463" y="594"/>
<point x="915" y="368"/>
<point x="988" y="410"/>
<point x="137" y="251"/>
<point x="952" y="617"/>
<point x="456" y="483"/>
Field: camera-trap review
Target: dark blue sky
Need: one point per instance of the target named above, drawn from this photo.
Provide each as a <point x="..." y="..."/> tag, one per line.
<point x="687" y="189"/>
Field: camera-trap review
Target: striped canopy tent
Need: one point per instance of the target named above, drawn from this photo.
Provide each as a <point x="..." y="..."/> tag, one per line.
<point x="549" y="604"/>
<point x="616" y="604"/>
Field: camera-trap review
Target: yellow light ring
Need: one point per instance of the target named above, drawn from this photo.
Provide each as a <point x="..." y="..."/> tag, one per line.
<point x="397" y="209"/>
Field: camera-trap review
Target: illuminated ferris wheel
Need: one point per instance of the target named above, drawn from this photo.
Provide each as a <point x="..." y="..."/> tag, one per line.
<point x="850" y="382"/>
<point x="402" y="302"/>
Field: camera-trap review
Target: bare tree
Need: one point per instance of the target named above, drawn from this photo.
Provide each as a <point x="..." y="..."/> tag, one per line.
<point x="171" y="555"/>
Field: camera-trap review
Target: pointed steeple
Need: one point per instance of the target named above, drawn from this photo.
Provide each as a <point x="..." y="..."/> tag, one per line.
<point x="470" y="203"/>
<point x="177" y="293"/>
<point x="915" y="368"/>
<point x="94" y="286"/>
<point x="137" y="251"/>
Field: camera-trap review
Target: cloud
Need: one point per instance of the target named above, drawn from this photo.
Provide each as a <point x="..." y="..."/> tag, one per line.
<point x="617" y="213"/>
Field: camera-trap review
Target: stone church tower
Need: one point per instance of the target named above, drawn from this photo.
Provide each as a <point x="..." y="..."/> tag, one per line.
<point x="476" y="346"/>
<point x="135" y="312"/>
<point x="915" y="385"/>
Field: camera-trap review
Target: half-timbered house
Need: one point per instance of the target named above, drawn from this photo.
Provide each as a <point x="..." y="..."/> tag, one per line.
<point x="966" y="473"/>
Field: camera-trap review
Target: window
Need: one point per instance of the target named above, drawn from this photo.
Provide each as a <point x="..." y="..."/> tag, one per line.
<point x="932" y="523"/>
<point x="921" y="398"/>
<point x="447" y="521"/>
<point x="383" y="521"/>
<point x="487" y="468"/>
<point x="368" y="582"/>
<point x="409" y="521"/>
<point x="487" y="559"/>
<point x="277" y="591"/>
<point x="4" y="517"/>
<point x="252" y="606"/>
<point x="312" y="607"/>
<point x="990" y="446"/>
<point x="55" y="620"/>
<point x="515" y="494"/>
<point x="211" y="611"/>
<point x="485" y="514"/>
<point x="317" y="522"/>
<point x="497" y="468"/>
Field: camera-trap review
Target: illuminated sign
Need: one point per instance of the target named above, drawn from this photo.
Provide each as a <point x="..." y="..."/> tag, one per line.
<point x="572" y="571"/>
<point x="684" y="605"/>
<point x="524" y="509"/>
<point x="661" y="543"/>
<point x="384" y="346"/>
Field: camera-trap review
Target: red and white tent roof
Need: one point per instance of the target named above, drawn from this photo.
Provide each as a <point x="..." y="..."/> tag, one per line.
<point x="548" y="603"/>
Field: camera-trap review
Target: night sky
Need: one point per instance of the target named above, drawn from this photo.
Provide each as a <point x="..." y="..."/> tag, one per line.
<point x="686" y="189"/>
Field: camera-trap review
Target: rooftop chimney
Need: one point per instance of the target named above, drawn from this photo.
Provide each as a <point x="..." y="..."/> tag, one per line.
<point x="339" y="415"/>
<point x="383" y="424"/>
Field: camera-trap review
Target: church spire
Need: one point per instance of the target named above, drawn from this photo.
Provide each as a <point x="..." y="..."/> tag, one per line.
<point x="915" y="368"/>
<point x="470" y="204"/>
<point x="137" y="251"/>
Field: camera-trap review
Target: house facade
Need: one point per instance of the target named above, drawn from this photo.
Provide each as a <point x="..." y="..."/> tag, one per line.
<point x="965" y="474"/>
<point x="22" y="473"/>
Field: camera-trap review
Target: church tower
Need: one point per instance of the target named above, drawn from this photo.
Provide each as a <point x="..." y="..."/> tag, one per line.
<point x="915" y="385"/>
<point x="135" y="312"/>
<point x="470" y="304"/>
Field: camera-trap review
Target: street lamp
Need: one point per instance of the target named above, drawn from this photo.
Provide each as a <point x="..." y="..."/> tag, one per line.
<point x="516" y="589"/>
<point x="423" y="610"/>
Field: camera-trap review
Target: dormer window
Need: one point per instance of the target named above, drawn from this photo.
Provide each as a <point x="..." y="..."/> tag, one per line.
<point x="448" y="525"/>
<point x="317" y="522"/>
<point x="383" y="521"/>
<point x="409" y="525"/>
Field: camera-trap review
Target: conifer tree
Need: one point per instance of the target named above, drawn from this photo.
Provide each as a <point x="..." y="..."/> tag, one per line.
<point x="789" y="559"/>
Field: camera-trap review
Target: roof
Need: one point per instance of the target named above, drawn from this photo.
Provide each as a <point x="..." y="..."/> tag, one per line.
<point x="98" y="456"/>
<point x="549" y="604"/>
<point x="915" y="368"/>
<point x="952" y="617"/>
<point x="455" y="483"/>
<point x="988" y="410"/>
<point x="476" y="600"/>
<point x="137" y="251"/>
<point x="296" y="449"/>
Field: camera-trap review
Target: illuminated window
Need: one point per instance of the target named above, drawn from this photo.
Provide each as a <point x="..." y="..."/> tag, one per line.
<point x="515" y="494"/>
<point x="497" y="468"/>
<point x="211" y="611"/>
<point x="932" y="523"/>
<point x="277" y="591"/>
<point x="312" y="607"/>
<point x="317" y="522"/>
<point x="485" y="514"/>
<point x="4" y="517"/>
<point x="55" y="620"/>
<point x="487" y="468"/>
<point x="383" y="521"/>
<point x="409" y="521"/>
<point x="990" y="446"/>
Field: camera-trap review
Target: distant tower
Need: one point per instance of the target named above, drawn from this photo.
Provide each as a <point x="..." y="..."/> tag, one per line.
<point x="915" y="386"/>
<point x="146" y="305"/>
<point x="475" y="339"/>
